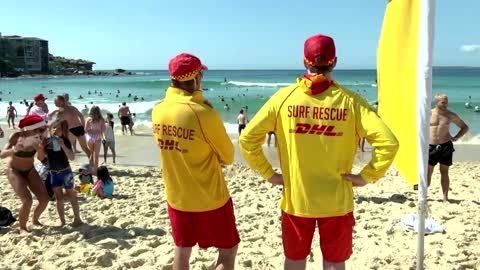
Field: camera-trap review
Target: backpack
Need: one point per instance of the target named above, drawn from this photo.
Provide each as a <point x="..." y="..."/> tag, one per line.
<point x="6" y="217"/>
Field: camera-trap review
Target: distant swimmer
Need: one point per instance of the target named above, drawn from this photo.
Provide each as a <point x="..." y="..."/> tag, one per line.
<point x="477" y="109"/>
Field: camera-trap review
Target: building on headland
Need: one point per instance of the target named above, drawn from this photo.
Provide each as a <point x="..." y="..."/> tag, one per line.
<point x="26" y="54"/>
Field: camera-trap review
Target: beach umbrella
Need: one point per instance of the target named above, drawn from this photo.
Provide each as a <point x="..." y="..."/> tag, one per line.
<point x="404" y="74"/>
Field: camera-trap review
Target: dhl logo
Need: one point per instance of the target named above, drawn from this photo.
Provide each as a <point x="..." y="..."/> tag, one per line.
<point x="170" y="145"/>
<point x="306" y="128"/>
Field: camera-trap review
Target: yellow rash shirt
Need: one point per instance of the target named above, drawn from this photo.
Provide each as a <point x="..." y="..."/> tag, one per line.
<point x="317" y="140"/>
<point x="193" y="144"/>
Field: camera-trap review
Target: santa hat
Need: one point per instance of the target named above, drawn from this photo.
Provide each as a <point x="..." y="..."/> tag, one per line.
<point x="31" y="122"/>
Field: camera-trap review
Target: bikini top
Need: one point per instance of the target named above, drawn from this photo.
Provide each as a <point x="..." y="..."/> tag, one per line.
<point x="25" y="154"/>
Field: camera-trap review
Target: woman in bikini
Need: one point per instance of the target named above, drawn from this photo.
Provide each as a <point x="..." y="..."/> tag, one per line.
<point x="11" y="114"/>
<point x="22" y="147"/>
<point x="95" y="128"/>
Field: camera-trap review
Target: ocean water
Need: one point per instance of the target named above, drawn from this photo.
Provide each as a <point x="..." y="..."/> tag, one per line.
<point x="238" y="88"/>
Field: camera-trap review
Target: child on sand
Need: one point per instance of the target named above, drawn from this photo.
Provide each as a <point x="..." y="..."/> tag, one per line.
<point x="104" y="185"/>
<point x="109" y="138"/>
<point x="59" y="151"/>
<point x="86" y="178"/>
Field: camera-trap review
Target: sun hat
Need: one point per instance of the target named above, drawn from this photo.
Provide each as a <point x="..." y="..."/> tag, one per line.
<point x="31" y="122"/>
<point x="85" y="166"/>
<point x="319" y="50"/>
<point x="185" y="67"/>
<point x="39" y="97"/>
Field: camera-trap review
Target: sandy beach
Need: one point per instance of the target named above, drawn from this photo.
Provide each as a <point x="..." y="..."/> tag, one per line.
<point x="132" y="229"/>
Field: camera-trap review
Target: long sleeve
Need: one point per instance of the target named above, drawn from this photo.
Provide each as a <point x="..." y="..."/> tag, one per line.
<point x="253" y="137"/>
<point x="384" y="143"/>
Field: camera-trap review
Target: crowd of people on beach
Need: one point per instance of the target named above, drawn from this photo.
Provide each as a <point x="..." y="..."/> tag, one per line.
<point x="316" y="165"/>
<point x="50" y="136"/>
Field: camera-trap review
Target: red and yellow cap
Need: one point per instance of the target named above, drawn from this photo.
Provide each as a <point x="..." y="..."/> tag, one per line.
<point x="185" y="67"/>
<point x="319" y="50"/>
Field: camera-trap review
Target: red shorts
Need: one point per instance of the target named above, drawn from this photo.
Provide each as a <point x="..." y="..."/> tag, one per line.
<point x="335" y="236"/>
<point x="215" y="228"/>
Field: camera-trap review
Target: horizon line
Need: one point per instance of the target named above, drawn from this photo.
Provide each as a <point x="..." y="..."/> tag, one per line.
<point x="277" y="69"/>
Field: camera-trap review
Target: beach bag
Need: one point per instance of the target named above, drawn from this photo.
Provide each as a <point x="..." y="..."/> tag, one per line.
<point x="44" y="174"/>
<point x="42" y="170"/>
<point x="6" y="217"/>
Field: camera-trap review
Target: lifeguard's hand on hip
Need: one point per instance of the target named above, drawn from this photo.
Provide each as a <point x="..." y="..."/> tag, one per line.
<point x="356" y="179"/>
<point x="276" y="179"/>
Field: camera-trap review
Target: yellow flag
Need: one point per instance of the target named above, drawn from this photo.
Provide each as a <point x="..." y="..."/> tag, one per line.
<point x="404" y="81"/>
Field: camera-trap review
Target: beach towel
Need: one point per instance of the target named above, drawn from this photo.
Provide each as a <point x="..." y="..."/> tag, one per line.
<point x="411" y="223"/>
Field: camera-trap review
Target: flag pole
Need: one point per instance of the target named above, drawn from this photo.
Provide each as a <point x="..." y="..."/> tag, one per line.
<point x="422" y="205"/>
<point x="424" y="85"/>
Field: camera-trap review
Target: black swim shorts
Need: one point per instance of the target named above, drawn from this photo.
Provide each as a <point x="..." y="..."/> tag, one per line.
<point x="124" y="120"/>
<point x="78" y="131"/>
<point x="441" y="153"/>
<point x="240" y="128"/>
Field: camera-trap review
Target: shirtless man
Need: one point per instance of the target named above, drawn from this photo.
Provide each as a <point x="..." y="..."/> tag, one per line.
<point x="242" y="121"/>
<point x="441" y="146"/>
<point x="125" y="118"/>
<point x="76" y="123"/>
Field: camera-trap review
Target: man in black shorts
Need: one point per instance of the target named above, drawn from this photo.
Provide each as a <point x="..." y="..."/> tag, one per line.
<point x="76" y="123"/>
<point x="441" y="141"/>
<point x="125" y="118"/>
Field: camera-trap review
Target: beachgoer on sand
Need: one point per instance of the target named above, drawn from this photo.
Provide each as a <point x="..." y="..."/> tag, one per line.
<point x="109" y="138"/>
<point x="241" y="121"/>
<point x="76" y="123"/>
<point x="194" y="145"/>
<point x="271" y="134"/>
<point x="94" y="128"/>
<point x="59" y="151"/>
<point x="11" y="114"/>
<point x="441" y="141"/>
<point x="86" y="178"/>
<point x="317" y="123"/>
<point x="40" y="108"/>
<point x="21" y="148"/>
<point x="104" y="185"/>
<point x="125" y="117"/>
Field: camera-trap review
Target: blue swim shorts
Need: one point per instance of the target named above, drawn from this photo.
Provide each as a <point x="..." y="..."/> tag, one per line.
<point x="62" y="178"/>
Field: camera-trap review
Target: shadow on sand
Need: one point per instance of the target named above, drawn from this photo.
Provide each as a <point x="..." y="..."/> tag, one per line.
<point x="95" y="233"/>
<point x="396" y="198"/>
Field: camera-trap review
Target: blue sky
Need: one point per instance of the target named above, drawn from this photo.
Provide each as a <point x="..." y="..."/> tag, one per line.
<point x="248" y="34"/>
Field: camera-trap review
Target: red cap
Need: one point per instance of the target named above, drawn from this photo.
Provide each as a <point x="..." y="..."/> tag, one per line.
<point x="31" y="122"/>
<point x="185" y="67"/>
<point x="39" y="97"/>
<point x="319" y="50"/>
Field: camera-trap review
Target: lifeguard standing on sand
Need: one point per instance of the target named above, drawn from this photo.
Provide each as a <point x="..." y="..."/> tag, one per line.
<point x="318" y="124"/>
<point x="193" y="145"/>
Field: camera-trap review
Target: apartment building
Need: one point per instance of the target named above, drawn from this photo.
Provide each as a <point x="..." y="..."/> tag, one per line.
<point x="28" y="54"/>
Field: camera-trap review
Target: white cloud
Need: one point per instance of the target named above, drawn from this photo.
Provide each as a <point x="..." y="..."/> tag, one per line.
<point x="470" y="48"/>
